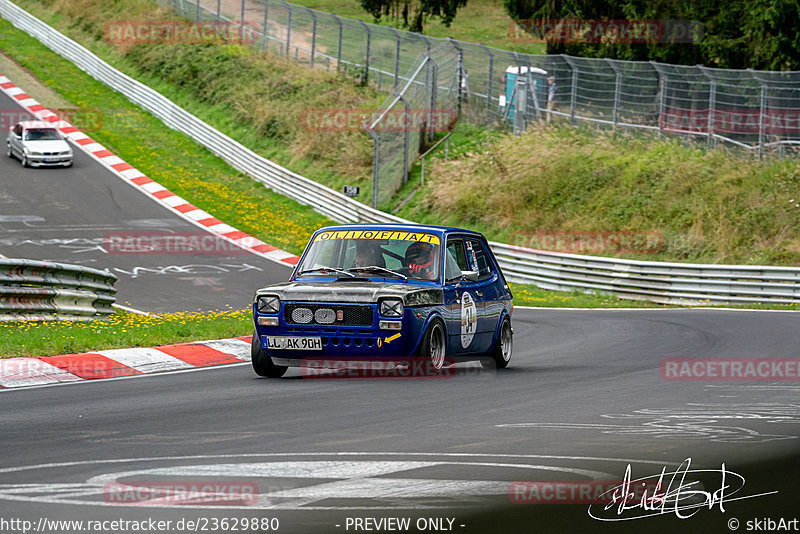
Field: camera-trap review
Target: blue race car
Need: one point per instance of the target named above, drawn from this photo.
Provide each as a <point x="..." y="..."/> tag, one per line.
<point x="386" y="293"/>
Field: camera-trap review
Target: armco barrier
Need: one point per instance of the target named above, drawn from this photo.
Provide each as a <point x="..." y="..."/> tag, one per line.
<point x="642" y="280"/>
<point x="43" y="290"/>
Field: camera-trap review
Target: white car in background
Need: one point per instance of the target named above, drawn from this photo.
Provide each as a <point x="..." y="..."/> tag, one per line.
<point x="38" y="144"/>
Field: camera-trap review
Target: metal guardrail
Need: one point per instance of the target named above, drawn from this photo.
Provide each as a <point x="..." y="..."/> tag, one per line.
<point x="39" y="290"/>
<point x="665" y="283"/>
<point x="669" y="283"/>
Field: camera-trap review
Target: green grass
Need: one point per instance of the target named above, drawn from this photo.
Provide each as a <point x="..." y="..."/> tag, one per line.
<point x="36" y="339"/>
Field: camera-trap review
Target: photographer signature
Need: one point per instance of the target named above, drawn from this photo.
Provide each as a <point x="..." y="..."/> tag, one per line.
<point x="669" y="492"/>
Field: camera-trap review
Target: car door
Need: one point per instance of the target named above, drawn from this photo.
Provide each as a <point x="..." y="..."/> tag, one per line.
<point x="486" y="292"/>
<point x="16" y="140"/>
<point x="463" y="305"/>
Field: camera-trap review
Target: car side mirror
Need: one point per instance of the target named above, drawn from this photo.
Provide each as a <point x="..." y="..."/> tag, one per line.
<point x="471" y="276"/>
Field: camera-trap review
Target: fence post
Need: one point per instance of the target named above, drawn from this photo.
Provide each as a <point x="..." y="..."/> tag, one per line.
<point x="573" y="97"/>
<point x="264" y="46"/>
<point x="365" y="75"/>
<point x="712" y="103"/>
<point x="241" y="23"/>
<point x="216" y="19"/>
<point x="761" y="113"/>
<point x="434" y="86"/>
<point x="532" y="89"/>
<point x="405" y="136"/>
<point x="663" y="78"/>
<point x="197" y="10"/>
<point x="396" y="55"/>
<point x="313" y="34"/>
<point x="489" y="83"/>
<point x="460" y="68"/>
<point x="288" y="28"/>
<point x="375" y="163"/>
<point x="617" y="89"/>
<point x="339" y="47"/>
<point x="518" y="99"/>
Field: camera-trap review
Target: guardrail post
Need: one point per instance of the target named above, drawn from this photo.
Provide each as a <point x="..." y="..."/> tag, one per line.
<point x="339" y="46"/>
<point x="396" y="55"/>
<point x="264" y="46"/>
<point x="489" y="82"/>
<point x="365" y="74"/>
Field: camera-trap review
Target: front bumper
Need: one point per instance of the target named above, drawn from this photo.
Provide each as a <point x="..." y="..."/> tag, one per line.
<point x="49" y="161"/>
<point x="346" y="343"/>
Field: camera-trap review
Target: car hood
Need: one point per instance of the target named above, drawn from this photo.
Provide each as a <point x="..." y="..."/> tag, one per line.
<point x="47" y="146"/>
<point x="412" y="295"/>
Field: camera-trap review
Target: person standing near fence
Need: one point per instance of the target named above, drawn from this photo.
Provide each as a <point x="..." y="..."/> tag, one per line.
<point x="551" y="96"/>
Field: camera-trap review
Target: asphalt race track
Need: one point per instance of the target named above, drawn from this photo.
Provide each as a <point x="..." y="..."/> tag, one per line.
<point x="73" y="215"/>
<point x="583" y="399"/>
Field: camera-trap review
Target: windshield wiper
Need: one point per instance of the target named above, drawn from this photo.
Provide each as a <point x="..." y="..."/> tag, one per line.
<point x="374" y="268"/>
<point x="320" y="269"/>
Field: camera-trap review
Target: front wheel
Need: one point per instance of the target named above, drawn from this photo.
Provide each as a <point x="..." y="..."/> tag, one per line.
<point x="501" y="352"/>
<point x="262" y="363"/>
<point x="434" y="348"/>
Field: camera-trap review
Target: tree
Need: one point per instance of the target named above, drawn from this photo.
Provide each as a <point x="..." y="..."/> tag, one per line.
<point x="414" y="12"/>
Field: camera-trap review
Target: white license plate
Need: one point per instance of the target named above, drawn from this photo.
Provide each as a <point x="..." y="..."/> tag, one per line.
<point x="294" y="343"/>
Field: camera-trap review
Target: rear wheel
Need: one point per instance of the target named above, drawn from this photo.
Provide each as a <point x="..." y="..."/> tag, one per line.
<point x="262" y="363"/>
<point x="434" y="348"/>
<point x="501" y="352"/>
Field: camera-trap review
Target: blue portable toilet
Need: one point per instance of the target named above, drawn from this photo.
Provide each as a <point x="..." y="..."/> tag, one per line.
<point x="519" y="75"/>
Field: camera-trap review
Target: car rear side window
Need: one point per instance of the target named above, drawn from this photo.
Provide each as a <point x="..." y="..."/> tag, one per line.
<point x="478" y="258"/>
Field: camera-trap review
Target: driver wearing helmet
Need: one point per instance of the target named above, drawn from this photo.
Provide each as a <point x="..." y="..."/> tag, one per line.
<point x="420" y="261"/>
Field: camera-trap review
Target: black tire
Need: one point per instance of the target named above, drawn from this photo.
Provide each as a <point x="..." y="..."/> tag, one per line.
<point x="433" y="349"/>
<point x="262" y="364"/>
<point x="503" y="347"/>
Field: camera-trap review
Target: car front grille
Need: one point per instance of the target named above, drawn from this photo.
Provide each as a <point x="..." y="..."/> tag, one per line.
<point x="328" y="314"/>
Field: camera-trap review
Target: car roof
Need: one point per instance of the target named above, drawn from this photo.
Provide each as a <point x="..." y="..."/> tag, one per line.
<point x="37" y="124"/>
<point x="407" y="227"/>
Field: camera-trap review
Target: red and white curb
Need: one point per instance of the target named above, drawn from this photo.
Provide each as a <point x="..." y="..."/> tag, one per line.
<point x="21" y="372"/>
<point x="136" y="178"/>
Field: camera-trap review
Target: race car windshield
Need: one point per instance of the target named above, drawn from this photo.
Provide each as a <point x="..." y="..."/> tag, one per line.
<point x="379" y="253"/>
<point x="42" y="134"/>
